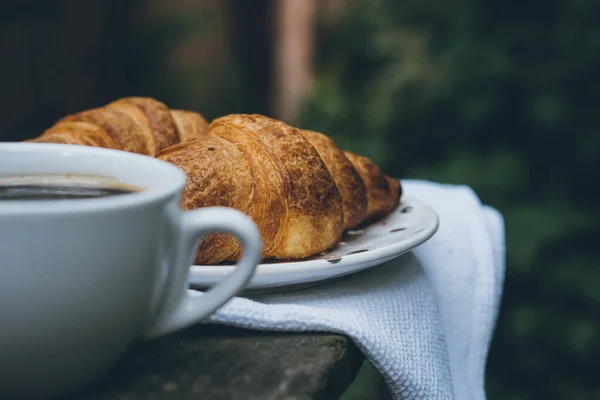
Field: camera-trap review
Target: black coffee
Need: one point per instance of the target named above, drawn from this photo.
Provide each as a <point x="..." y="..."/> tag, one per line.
<point x="43" y="192"/>
<point x="60" y="187"/>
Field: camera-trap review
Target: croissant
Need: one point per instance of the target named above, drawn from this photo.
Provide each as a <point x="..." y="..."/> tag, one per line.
<point x="135" y="124"/>
<point x="383" y="192"/>
<point x="301" y="190"/>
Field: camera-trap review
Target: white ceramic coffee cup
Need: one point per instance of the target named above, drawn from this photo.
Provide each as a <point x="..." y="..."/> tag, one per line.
<point x="81" y="280"/>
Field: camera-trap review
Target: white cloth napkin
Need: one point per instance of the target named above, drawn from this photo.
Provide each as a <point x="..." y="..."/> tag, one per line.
<point x="424" y="320"/>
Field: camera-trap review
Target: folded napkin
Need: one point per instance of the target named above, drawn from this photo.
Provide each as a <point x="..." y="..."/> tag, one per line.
<point x="425" y="319"/>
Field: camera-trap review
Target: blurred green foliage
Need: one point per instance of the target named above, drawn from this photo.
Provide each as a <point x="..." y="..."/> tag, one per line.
<point x="501" y="96"/>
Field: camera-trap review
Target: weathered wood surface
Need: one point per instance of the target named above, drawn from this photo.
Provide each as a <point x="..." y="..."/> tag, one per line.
<point x="223" y="363"/>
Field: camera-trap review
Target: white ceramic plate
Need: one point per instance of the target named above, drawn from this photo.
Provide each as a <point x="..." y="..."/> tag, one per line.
<point x="409" y="225"/>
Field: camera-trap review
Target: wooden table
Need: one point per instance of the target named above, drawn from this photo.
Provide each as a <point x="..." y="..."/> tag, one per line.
<point x="211" y="362"/>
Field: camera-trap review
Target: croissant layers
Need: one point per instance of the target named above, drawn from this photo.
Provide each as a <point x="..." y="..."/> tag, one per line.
<point x="300" y="189"/>
<point x="135" y="124"/>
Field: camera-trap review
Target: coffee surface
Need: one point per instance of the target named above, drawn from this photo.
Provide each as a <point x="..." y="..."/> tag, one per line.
<point x="42" y="192"/>
<point x="60" y="187"/>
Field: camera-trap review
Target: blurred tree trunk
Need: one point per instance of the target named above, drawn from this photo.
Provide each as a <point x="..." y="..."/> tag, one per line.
<point x="293" y="55"/>
<point x="294" y="50"/>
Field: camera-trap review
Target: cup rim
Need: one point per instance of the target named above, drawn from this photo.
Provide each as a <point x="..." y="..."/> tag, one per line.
<point x="174" y="184"/>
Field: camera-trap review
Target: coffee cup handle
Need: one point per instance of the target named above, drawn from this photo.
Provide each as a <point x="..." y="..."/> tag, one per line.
<point x="182" y="309"/>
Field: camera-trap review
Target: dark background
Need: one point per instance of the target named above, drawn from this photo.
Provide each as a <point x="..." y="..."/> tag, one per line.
<point x="501" y="96"/>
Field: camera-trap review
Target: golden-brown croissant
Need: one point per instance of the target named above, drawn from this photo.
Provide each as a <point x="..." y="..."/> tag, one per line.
<point x="135" y="124"/>
<point x="383" y="192"/>
<point x="294" y="201"/>
<point x="346" y="177"/>
<point x="299" y="188"/>
<point x="296" y="185"/>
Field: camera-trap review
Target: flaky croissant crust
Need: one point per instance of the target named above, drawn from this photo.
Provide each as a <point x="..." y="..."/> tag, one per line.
<point x="136" y="124"/>
<point x="300" y="189"/>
